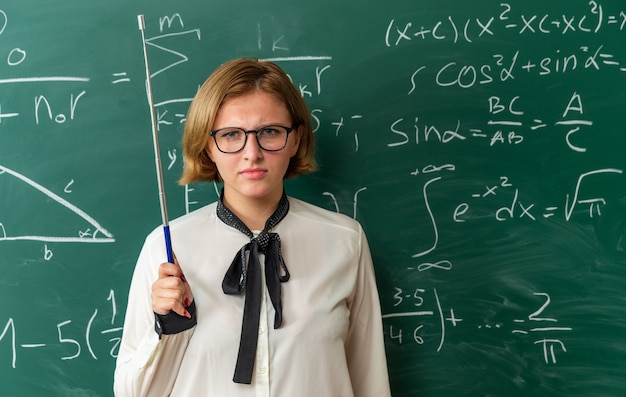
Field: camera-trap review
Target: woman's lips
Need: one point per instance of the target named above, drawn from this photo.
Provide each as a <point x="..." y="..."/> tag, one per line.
<point x="253" y="173"/>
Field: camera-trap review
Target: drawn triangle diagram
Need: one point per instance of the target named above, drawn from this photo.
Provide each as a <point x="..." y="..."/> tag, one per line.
<point x="26" y="214"/>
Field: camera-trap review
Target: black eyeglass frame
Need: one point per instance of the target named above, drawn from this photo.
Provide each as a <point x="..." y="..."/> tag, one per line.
<point x="256" y="135"/>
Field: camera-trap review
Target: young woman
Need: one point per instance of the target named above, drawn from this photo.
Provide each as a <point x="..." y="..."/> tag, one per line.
<point x="268" y="295"/>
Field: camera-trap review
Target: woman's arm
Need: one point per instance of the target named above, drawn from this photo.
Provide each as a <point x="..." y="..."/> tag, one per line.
<point x="365" y="348"/>
<point x="148" y="361"/>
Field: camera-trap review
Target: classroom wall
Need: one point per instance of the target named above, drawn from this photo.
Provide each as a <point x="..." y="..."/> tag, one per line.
<point x="481" y="146"/>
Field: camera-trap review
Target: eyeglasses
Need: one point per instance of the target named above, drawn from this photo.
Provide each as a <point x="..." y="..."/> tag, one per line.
<point x="271" y="138"/>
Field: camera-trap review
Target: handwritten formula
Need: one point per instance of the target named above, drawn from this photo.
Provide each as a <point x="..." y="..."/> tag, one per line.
<point x="75" y="341"/>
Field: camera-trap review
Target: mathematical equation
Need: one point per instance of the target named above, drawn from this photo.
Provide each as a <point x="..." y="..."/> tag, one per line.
<point x="517" y="209"/>
<point x="550" y="342"/>
<point x="471" y="29"/>
<point x="60" y="111"/>
<point x="43" y="107"/>
<point x="506" y="125"/>
<point x="67" y="338"/>
<point x="542" y="329"/>
<point x="416" y="299"/>
<point x="414" y="309"/>
<point x="503" y="68"/>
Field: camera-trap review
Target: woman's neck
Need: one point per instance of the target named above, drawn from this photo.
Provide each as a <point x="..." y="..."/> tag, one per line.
<point x="252" y="212"/>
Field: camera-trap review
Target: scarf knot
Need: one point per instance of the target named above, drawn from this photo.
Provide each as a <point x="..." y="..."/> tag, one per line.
<point x="244" y="276"/>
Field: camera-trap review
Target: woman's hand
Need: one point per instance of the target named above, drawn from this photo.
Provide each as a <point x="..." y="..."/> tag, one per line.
<point x="171" y="291"/>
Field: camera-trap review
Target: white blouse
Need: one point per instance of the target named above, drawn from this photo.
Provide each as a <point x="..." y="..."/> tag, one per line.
<point x="330" y="343"/>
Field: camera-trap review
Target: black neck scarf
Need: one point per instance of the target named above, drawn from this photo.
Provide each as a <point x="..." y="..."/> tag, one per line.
<point x="242" y="276"/>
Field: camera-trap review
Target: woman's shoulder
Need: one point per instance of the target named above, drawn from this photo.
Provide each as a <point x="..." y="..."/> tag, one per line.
<point x="198" y="215"/>
<point x="188" y="221"/>
<point x="308" y="212"/>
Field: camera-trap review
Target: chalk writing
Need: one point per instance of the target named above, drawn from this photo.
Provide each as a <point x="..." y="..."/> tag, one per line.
<point x="536" y="322"/>
<point x="395" y="328"/>
<point x="415" y="299"/>
<point x="73" y="348"/>
<point x="354" y="201"/>
<point x="548" y="344"/>
<point x="120" y="77"/>
<point x="42" y="105"/>
<point x="508" y="125"/>
<point x="490" y="136"/>
<point x="59" y="118"/>
<point x="94" y="236"/>
<point x="519" y="210"/>
<point x="470" y="30"/>
<point x="182" y="58"/>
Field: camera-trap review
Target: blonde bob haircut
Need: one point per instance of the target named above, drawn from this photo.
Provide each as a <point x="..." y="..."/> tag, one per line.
<point x="236" y="78"/>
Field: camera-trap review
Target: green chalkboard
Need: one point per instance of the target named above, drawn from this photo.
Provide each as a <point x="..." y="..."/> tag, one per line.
<point x="480" y="144"/>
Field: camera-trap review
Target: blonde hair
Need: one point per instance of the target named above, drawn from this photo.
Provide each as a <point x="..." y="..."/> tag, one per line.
<point x="232" y="79"/>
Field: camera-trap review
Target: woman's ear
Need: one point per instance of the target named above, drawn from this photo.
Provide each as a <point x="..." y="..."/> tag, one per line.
<point x="207" y="150"/>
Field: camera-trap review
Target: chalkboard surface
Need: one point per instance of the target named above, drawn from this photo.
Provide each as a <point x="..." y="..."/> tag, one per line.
<point x="480" y="144"/>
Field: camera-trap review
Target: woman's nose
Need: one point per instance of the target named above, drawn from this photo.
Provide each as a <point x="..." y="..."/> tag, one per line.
<point x="251" y="148"/>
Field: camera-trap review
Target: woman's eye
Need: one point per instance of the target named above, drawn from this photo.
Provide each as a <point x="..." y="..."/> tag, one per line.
<point x="234" y="134"/>
<point x="269" y="131"/>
